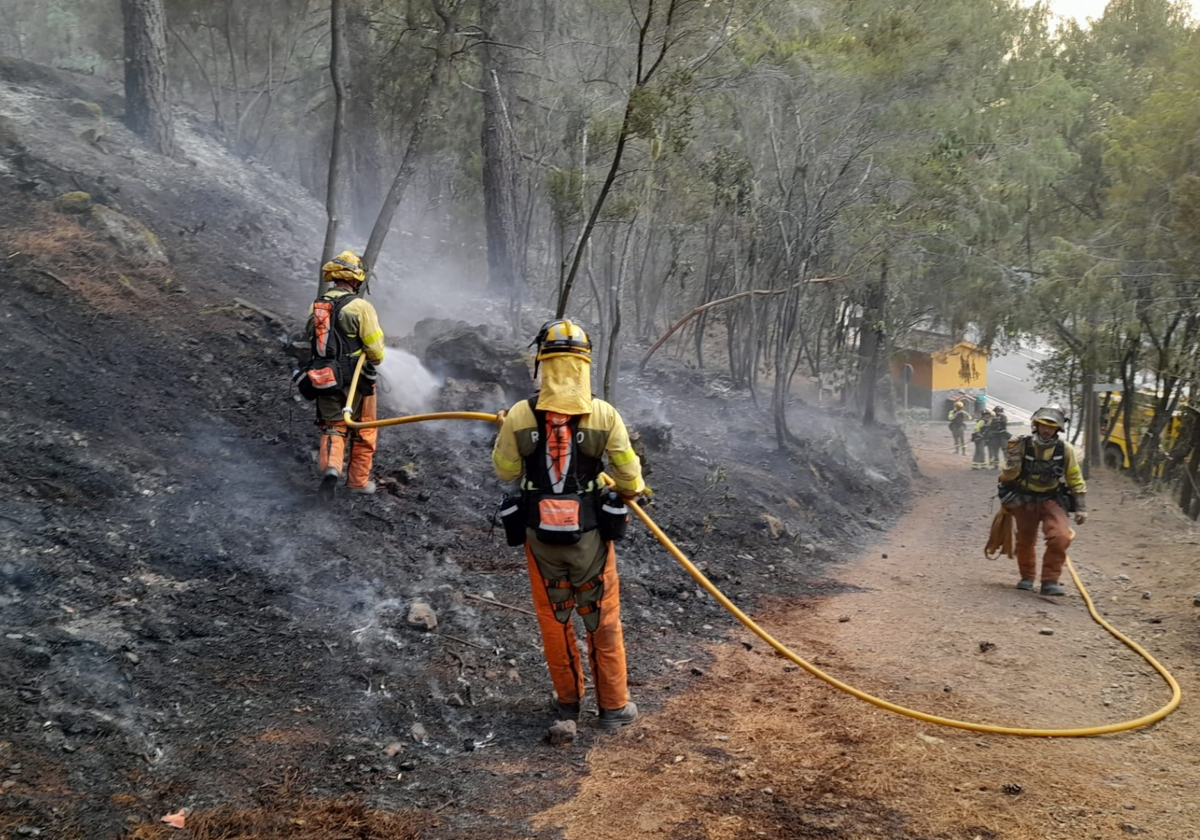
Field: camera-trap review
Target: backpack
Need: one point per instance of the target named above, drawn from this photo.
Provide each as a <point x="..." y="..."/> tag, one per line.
<point x="560" y="511"/>
<point x="332" y="364"/>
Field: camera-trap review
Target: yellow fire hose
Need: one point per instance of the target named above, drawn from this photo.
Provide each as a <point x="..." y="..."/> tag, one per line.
<point x="690" y="568"/>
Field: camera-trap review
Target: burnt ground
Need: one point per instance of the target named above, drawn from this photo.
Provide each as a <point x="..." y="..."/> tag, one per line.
<point x="758" y="748"/>
<point x="184" y="627"/>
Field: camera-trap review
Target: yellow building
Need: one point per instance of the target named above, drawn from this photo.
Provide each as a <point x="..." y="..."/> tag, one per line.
<point x="940" y="370"/>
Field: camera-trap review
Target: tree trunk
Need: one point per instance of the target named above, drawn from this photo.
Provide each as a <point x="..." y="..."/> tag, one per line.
<point x="585" y="234"/>
<point x="147" y="97"/>
<point x="334" y="182"/>
<point x="505" y="256"/>
<point x="1091" y="421"/>
<point x="363" y="127"/>
<point x="871" y="341"/>
<point x="1189" y="493"/>
<point x="612" y="354"/>
<point x="408" y="164"/>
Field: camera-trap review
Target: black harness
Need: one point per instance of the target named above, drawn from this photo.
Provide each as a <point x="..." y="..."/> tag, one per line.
<point x="1043" y="471"/>
<point x="331" y="364"/>
<point x="584" y="470"/>
<point x="1050" y="470"/>
<point x="578" y="491"/>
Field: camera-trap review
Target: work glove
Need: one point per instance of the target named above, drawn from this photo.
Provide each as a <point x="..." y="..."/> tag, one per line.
<point x="645" y="494"/>
<point x="1007" y="495"/>
<point x="500" y="415"/>
<point x="1080" y="517"/>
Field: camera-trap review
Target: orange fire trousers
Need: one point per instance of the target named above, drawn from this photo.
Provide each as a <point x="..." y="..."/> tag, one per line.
<point x="1053" y="520"/>
<point x="334" y="434"/>
<point x="580" y="578"/>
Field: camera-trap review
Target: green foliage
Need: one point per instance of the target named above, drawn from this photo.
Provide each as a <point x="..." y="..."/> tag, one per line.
<point x="564" y="189"/>
<point x="647" y="107"/>
<point x="994" y="172"/>
<point x="730" y="173"/>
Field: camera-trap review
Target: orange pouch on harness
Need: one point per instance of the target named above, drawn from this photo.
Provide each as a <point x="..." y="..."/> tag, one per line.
<point x="559" y="520"/>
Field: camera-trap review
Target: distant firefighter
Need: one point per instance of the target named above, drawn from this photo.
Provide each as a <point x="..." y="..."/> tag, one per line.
<point x="342" y="326"/>
<point x="979" y="437"/>
<point x="958" y="427"/>
<point x="997" y="437"/>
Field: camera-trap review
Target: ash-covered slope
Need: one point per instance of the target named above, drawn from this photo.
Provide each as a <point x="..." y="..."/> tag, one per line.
<point x="185" y="627"/>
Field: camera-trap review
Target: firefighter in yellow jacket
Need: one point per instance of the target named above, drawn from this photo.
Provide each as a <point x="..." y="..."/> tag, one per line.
<point x="556" y="444"/>
<point x="958" y="423"/>
<point x="1041" y="483"/>
<point x="341" y="320"/>
<point x="979" y="438"/>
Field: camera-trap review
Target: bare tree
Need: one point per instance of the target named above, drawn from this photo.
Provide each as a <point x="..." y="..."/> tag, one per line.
<point x="362" y="117"/>
<point x="505" y="256"/>
<point x="147" y="98"/>
<point x="447" y="12"/>
<point x="649" y="61"/>
<point x="333" y="185"/>
<point x="872" y="341"/>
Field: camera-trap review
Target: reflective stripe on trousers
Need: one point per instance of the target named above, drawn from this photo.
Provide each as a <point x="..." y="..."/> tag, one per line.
<point x="570" y="573"/>
<point x="362" y="445"/>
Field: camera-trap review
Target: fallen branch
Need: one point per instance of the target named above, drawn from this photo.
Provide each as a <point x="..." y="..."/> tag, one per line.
<point x="751" y="293"/>
<point x="266" y="313"/>
<point x="713" y="303"/>
<point x="462" y="641"/>
<point x="51" y="275"/>
<point x="500" y="604"/>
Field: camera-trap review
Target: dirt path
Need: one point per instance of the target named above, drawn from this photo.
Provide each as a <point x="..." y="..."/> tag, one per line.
<point x="759" y="749"/>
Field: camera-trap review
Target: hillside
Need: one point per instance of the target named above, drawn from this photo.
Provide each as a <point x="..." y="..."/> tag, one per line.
<point x="185" y="627"/>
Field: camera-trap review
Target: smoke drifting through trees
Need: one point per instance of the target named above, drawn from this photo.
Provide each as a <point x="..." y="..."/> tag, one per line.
<point x="965" y="167"/>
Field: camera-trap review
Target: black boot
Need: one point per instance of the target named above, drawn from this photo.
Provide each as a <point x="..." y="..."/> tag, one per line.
<point x="616" y="718"/>
<point x="565" y="711"/>
<point x="328" y="487"/>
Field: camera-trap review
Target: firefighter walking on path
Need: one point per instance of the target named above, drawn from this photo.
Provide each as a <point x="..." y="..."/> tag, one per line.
<point x="341" y="327"/>
<point x="556" y="444"/>
<point x="958" y="427"/>
<point x="1041" y="484"/>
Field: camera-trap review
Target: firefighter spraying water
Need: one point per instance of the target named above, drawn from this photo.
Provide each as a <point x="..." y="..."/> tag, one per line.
<point x="343" y="327"/>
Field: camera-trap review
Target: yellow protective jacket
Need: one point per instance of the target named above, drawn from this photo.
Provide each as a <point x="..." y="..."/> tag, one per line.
<point x="602" y="435"/>
<point x="1042" y="453"/>
<point x="358" y="319"/>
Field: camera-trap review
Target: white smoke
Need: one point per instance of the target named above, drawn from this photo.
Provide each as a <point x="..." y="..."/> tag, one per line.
<point x="405" y="386"/>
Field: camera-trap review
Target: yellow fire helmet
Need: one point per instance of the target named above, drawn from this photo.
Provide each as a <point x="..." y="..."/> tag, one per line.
<point x="958" y="404"/>
<point x="346" y="266"/>
<point x="562" y="338"/>
<point x="1051" y="415"/>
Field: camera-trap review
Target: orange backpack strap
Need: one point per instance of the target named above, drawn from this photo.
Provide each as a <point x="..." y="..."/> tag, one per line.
<point x="322" y="326"/>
